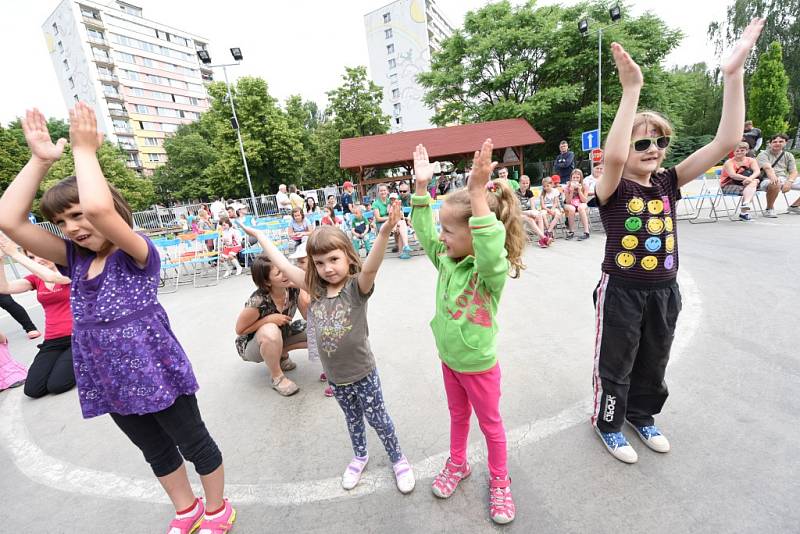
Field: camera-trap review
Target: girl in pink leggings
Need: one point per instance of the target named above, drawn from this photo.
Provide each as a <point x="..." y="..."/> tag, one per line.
<point x="482" y="240"/>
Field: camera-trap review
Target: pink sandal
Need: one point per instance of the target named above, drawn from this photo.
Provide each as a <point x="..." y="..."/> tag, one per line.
<point x="187" y="525"/>
<point x="221" y="524"/>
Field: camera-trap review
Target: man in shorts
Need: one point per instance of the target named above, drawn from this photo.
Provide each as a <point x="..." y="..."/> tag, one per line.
<point x="780" y="173"/>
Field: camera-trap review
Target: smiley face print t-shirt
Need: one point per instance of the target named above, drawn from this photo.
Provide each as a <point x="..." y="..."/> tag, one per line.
<point x="642" y="237"/>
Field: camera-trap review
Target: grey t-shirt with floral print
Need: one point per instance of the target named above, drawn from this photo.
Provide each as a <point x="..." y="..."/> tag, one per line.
<point x="342" y="334"/>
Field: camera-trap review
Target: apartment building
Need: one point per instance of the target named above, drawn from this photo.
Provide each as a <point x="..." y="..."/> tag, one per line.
<point x="142" y="77"/>
<point x="401" y="37"/>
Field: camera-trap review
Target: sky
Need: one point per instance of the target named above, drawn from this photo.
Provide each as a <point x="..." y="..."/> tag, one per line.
<point x="298" y="46"/>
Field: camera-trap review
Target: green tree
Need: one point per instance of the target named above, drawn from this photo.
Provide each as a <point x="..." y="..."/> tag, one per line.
<point x="532" y="62"/>
<point x="767" y="99"/>
<point x="782" y="25"/>
<point x="190" y="156"/>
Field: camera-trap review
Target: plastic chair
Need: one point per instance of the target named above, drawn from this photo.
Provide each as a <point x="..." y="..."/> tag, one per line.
<point x="697" y="202"/>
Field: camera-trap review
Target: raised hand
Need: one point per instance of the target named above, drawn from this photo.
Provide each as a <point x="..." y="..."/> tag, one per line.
<point x="630" y="75"/>
<point x="735" y="62"/>
<point x="34" y="126"/>
<point x="83" y="134"/>
<point x="249" y="230"/>
<point x="394" y="216"/>
<point x="423" y="169"/>
<point x="482" y="167"/>
<point x="7" y="247"/>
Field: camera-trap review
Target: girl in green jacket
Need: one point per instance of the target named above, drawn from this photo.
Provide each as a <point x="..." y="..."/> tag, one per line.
<point x="481" y="242"/>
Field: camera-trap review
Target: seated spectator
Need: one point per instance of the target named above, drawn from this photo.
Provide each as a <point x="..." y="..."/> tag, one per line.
<point x="332" y="203"/>
<point x="531" y="217"/>
<point x="265" y="330"/>
<point x="740" y="176"/>
<point x="51" y="371"/>
<point x="330" y="218"/>
<point x="300" y="228"/>
<point x="231" y="246"/>
<point x="360" y="232"/>
<point x="282" y="199"/>
<point x="575" y="198"/>
<point x="502" y="173"/>
<point x="550" y="204"/>
<point x="404" y="194"/>
<point x="380" y="209"/>
<point x="780" y="173"/>
<point x="590" y="182"/>
<point x="183" y="222"/>
<point x="311" y="205"/>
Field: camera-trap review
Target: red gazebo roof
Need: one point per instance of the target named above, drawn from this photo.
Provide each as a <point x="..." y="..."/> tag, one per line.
<point x="397" y="148"/>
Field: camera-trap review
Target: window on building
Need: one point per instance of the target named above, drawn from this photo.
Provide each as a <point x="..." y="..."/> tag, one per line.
<point x="392" y="64"/>
<point x="71" y="82"/>
<point x="94" y="34"/>
<point x="136" y="91"/>
<point x="121" y="125"/>
<point x="61" y="47"/>
<point x="398" y="121"/>
<point x="395" y="93"/>
<point x="151" y="141"/>
<point x="388" y="33"/>
<point x="124" y="57"/>
<point x="55" y="28"/>
<point x="154" y="157"/>
<point x="66" y="64"/>
<point x="390" y="49"/>
<point x="147" y="62"/>
<point x="387" y="18"/>
<point x="167" y="112"/>
<point x="170" y="128"/>
<point x="140" y="108"/>
<point x="76" y="98"/>
<point x="397" y="108"/>
<point x="150" y="125"/>
<point x="393" y="77"/>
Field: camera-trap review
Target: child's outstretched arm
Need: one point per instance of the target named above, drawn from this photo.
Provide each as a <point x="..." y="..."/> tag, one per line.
<point x="482" y="169"/>
<point x="294" y="273"/>
<point x="729" y="131"/>
<point x="422" y="214"/>
<point x="619" y="136"/>
<point x="18" y="198"/>
<point x="97" y="204"/>
<point x="10" y="249"/>
<point x="366" y="278"/>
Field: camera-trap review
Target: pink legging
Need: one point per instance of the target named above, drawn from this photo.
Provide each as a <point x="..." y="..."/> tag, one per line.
<point x="482" y="392"/>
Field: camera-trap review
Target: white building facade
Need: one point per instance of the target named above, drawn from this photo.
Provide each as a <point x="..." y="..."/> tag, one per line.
<point x="143" y="78"/>
<point x="401" y="37"/>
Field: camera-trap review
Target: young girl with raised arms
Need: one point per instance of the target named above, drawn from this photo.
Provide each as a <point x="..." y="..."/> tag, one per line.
<point x="481" y="242"/>
<point x="127" y="361"/>
<point x="637" y="300"/>
<point x="339" y="288"/>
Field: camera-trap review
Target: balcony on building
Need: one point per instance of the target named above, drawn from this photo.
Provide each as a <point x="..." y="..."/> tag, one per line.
<point x="101" y="57"/>
<point x="118" y="111"/>
<point x="128" y="144"/>
<point x="99" y="41"/>
<point x="113" y="95"/>
<point x="91" y="17"/>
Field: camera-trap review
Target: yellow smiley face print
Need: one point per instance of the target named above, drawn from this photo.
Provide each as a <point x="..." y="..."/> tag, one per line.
<point x="669" y="243"/>
<point x="625" y="260"/>
<point x="649" y="263"/>
<point x="668" y="224"/>
<point x="654" y="207"/>
<point x="630" y="242"/>
<point x="635" y="206"/>
<point x="655" y="225"/>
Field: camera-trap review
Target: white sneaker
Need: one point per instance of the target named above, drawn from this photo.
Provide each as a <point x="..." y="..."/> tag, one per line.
<point x="227" y="274"/>
<point x="238" y="270"/>
<point x="652" y="437"/>
<point x="404" y="475"/>
<point x="770" y="213"/>
<point x="794" y="209"/>
<point x="352" y="475"/>
<point x="618" y="446"/>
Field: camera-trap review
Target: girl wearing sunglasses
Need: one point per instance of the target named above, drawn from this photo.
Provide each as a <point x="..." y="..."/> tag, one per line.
<point x="637" y="300"/>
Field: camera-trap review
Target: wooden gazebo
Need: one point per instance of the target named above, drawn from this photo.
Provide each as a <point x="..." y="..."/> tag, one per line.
<point x="453" y="143"/>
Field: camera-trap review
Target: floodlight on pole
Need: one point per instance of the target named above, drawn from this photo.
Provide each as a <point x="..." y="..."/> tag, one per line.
<point x="615" y="13"/>
<point x="583" y="26"/>
<point x="237" y="55"/>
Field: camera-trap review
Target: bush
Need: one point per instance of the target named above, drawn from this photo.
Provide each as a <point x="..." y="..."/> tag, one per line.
<point x="682" y="147"/>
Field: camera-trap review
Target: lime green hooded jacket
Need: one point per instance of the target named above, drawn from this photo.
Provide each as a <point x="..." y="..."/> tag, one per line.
<point x="467" y="291"/>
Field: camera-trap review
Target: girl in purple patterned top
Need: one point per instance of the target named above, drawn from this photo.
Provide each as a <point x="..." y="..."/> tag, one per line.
<point x="127" y="361"/>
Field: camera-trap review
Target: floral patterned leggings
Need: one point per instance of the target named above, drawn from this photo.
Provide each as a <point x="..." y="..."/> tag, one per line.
<point x="365" y="399"/>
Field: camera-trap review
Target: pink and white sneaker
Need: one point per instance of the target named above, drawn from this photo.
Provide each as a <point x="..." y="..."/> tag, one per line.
<point x="219" y="523"/>
<point x="329" y="391"/>
<point x="501" y="503"/>
<point x="448" y="478"/>
<point x="188" y="523"/>
<point x="323" y="377"/>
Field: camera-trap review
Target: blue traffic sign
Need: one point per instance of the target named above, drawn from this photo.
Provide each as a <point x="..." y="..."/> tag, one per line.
<point x="590" y="140"/>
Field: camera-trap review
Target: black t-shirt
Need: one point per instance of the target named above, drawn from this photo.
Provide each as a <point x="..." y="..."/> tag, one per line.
<point x="641" y="234"/>
<point x="524" y="199"/>
<point x="752" y="137"/>
<point x="347" y="199"/>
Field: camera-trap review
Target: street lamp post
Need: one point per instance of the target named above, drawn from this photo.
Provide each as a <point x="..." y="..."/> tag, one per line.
<point x="583" y="26"/>
<point x="237" y="55"/>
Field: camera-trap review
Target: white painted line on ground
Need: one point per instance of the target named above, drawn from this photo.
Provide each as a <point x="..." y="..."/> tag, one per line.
<point x="64" y="476"/>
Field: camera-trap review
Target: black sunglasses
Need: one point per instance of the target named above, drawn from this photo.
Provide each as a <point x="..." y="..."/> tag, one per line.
<point x="643" y="144"/>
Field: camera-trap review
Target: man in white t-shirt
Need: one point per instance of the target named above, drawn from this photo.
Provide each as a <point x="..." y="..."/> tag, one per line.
<point x="282" y="198"/>
<point x="591" y="182"/>
<point x="217" y="208"/>
<point x="780" y="170"/>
